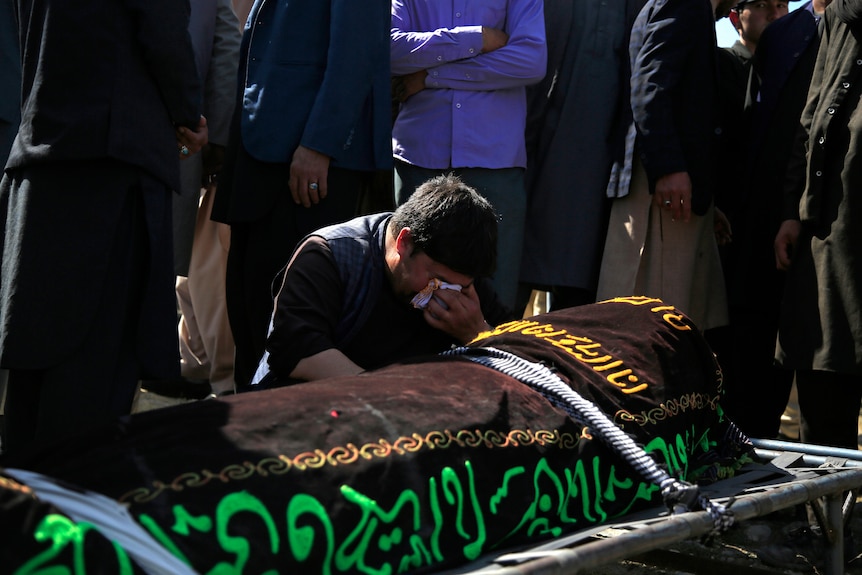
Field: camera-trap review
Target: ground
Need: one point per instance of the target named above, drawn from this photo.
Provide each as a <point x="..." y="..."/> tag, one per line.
<point x="778" y="544"/>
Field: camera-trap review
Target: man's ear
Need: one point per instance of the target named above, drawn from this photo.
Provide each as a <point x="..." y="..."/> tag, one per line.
<point x="734" y="19"/>
<point x="404" y="242"/>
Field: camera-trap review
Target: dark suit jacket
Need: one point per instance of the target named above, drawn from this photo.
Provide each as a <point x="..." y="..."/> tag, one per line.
<point x="317" y="74"/>
<point x="311" y="73"/>
<point x="216" y="36"/>
<point x="784" y="63"/>
<point x="674" y="78"/>
<point x="105" y="82"/>
<point x="10" y="79"/>
<point x="733" y="72"/>
<point x="106" y="79"/>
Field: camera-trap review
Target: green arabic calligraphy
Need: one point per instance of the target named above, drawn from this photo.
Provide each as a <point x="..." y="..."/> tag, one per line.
<point x="450" y="523"/>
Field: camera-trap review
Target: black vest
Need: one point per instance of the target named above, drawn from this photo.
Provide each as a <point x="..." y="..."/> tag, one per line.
<point x="357" y="246"/>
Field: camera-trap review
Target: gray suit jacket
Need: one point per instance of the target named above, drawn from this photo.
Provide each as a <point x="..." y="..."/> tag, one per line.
<point x="216" y="37"/>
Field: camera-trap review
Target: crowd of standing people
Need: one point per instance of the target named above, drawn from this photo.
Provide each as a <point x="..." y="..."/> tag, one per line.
<point x="227" y="159"/>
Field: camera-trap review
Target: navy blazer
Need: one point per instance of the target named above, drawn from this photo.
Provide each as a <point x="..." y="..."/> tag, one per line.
<point x="784" y="63"/>
<point x="115" y="88"/>
<point x="316" y="73"/>
<point x="674" y="81"/>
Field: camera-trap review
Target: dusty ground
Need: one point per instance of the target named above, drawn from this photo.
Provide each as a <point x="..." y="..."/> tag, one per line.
<point x="778" y="544"/>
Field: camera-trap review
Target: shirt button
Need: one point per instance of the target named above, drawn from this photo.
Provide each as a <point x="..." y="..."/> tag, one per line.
<point x="467" y="76"/>
<point x="434" y="73"/>
<point x="472" y="50"/>
<point x="859" y="62"/>
<point x="830" y="111"/>
<point x="718" y="131"/>
<point x="846" y="85"/>
<point x="821" y="140"/>
<point x="457" y="14"/>
<point x="818" y="173"/>
<point x="439" y="58"/>
<point x="457" y="105"/>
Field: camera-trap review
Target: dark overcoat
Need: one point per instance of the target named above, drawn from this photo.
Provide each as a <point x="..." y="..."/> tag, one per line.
<point x="572" y="132"/>
<point x="821" y="317"/>
<point x="105" y="84"/>
<point x="674" y="95"/>
<point x="784" y="63"/>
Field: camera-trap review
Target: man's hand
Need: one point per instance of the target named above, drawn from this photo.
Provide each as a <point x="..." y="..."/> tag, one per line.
<point x="458" y="314"/>
<point x="492" y="39"/>
<point x="410" y="84"/>
<point x="785" y="242"/>
<point x="673" y="192"/>
<point x="308" y="176"/>
<point x="190" y="142"/>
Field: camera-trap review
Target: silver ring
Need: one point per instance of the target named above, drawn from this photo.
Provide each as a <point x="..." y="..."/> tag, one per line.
<point x="312" y="186"/>
<point x="667" y="203"/>
<point x="184" y="150"/>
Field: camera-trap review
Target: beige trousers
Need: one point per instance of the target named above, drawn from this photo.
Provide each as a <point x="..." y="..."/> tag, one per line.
<point x="649" y="254"/>
<point x="206" y="342"/>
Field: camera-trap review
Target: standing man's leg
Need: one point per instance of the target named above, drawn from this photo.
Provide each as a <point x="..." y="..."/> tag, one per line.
<point x="206" y="342"/>
<point x="829" y="408"/>
<point x="409" y="177"/>
<point x="260" y="249"/>
<point x="504" y="188"/>
<point x="241" y="318"/>
<point x="96" y="381"/>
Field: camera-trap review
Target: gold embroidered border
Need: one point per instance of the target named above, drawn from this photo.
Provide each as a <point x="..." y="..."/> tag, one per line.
<point x="687" y="402"/>
<point x="351" y="453"/>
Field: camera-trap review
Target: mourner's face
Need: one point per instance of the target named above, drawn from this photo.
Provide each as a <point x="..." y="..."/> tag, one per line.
<point x="412" y="270"/>
<point x="753" y="17"/>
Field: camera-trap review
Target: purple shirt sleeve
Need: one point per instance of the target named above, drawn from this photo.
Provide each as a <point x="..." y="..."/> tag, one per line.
<point x="521" y="62"/>
<point x="414" y="51"/>
<point x="453" y="56"/>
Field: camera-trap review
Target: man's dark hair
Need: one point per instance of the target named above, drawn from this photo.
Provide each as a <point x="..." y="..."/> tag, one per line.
<point x="452" y="224"/>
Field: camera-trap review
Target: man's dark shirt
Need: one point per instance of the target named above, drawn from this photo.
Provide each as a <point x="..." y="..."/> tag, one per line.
<point x="309" y="307"/>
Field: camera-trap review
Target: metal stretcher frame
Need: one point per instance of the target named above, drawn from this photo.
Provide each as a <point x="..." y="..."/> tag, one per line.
<point x="784" y="475"/>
